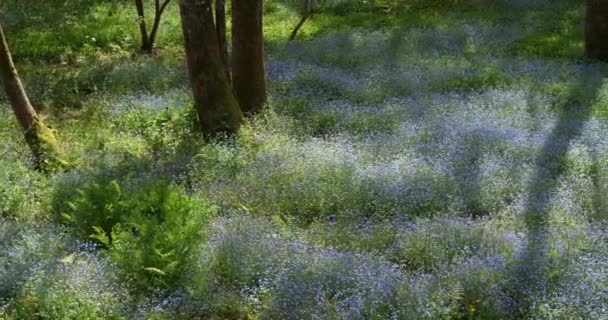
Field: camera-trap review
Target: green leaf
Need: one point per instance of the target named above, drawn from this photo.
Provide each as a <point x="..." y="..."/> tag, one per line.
<point x="67" y="217"/>
<point x="71" y="205"/>
<point x="172" y="266"/>
<point x="101" y="236"/>
<point x="116" y="186"/>
<point x="242" y="206"/>
<point x="163" y="255"/>
<point x="69" y="259"/>
<point x="155" y="271"/>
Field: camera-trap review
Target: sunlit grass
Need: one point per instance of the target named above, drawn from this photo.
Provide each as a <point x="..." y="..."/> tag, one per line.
<point x="433" y="161"/>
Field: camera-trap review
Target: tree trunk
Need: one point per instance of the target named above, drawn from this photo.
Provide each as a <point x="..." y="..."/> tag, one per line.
<point x="160" y="9"/>
<point x="218" y="110"/>
<point x="220" y="24"/>
<point x="248" y="73"/>
<point x="41" y="139"/>
<point x="294" y="33"/>
<point x="596" y="30"/>
<point x="306" y="14"/>
<point x="146" y="46"/>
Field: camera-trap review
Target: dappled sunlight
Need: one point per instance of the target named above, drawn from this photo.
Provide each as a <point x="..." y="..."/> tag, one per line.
<point x="447" y="165"/>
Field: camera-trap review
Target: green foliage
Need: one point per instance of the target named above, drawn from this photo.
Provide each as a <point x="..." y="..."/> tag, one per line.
<point x="168" y="132"/>
<point x="387" y="6"/>
<point x="438" y="244"/>
<point x="600" y="102"/>
<point x="98" y="204"/>
<point x="65" y="293"/>
<point x="553" y="34"/>
<point x="151" y="229"/>
<point x="300" y="5"/>
<point x="72" y="86"/>
<point x="230" y="306"/>
<point x="58" y="31"/>
<point x="70" y="32"/>
<point x="487" y="77"/>
<point x="24" y="193"/>
<point x="45" y="274"/>
<point x="344" y="199"/>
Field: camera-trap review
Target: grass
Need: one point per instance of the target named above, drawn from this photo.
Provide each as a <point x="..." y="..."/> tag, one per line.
<point x="417" y="160"/>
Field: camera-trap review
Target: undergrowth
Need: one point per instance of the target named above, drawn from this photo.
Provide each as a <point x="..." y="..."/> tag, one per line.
<point x="417" y="160"/>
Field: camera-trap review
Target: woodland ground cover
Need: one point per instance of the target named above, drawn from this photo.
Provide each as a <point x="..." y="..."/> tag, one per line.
<point x="442" y="161"/>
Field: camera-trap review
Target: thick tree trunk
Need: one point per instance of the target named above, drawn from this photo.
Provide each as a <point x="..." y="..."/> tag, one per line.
<point x="41" y="139"/>
<point x="248" y="73"/>
<point x="217" y="107"/>
<point x="146" y="46"/>
<point x="596" y="30"/>
<point x="220" y="24"/>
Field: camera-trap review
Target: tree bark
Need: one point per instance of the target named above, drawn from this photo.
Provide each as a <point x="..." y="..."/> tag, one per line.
<point x="146" y="46"/>
<point x="218" y="109"/>
<point x="596" y="30"/>
<point x="220" y="24"/>
<point x="248" y="72"/>
<point x="41" y="139"/>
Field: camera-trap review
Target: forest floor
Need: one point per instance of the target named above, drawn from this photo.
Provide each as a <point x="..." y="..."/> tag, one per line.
<point x="445" y="162"/>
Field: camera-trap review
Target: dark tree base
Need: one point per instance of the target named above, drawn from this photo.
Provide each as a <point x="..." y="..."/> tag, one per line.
<point x="596" y="30"/>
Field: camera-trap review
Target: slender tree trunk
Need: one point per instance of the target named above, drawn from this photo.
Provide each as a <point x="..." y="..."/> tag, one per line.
<point x="297" y="28"/>
<point x="306" y="14"/>
<point x="218" y="109"/>
<point x="160" y="9"/>
<point x="146" y="46"/>
<point x="220" y="24"/>
<point x="248" y="72"/>
<point x="147" y="41"/>
<point x="596" y="30"/>
<point x="41" y="139"/>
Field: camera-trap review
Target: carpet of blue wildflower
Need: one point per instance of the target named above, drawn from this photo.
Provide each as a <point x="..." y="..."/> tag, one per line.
<point x="450" y="168"/>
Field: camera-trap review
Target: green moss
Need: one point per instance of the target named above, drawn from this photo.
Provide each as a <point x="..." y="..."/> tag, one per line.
<point x="46" y="148"/>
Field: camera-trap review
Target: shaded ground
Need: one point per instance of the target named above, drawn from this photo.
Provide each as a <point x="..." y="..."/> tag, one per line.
<point x="450" y="167"/>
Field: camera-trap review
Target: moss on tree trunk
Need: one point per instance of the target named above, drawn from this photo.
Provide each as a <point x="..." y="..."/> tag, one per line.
<point x="43" y="142"/>
<point x="41" y="139"/>
<point x="217" y="108"/>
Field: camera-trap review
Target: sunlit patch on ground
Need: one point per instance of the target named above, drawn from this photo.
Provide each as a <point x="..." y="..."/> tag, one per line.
<point x="414" y="172"/>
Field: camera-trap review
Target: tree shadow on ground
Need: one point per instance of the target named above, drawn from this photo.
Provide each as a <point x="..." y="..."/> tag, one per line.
<point x="467" y="173"/>
<point x="532" y="276"/>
